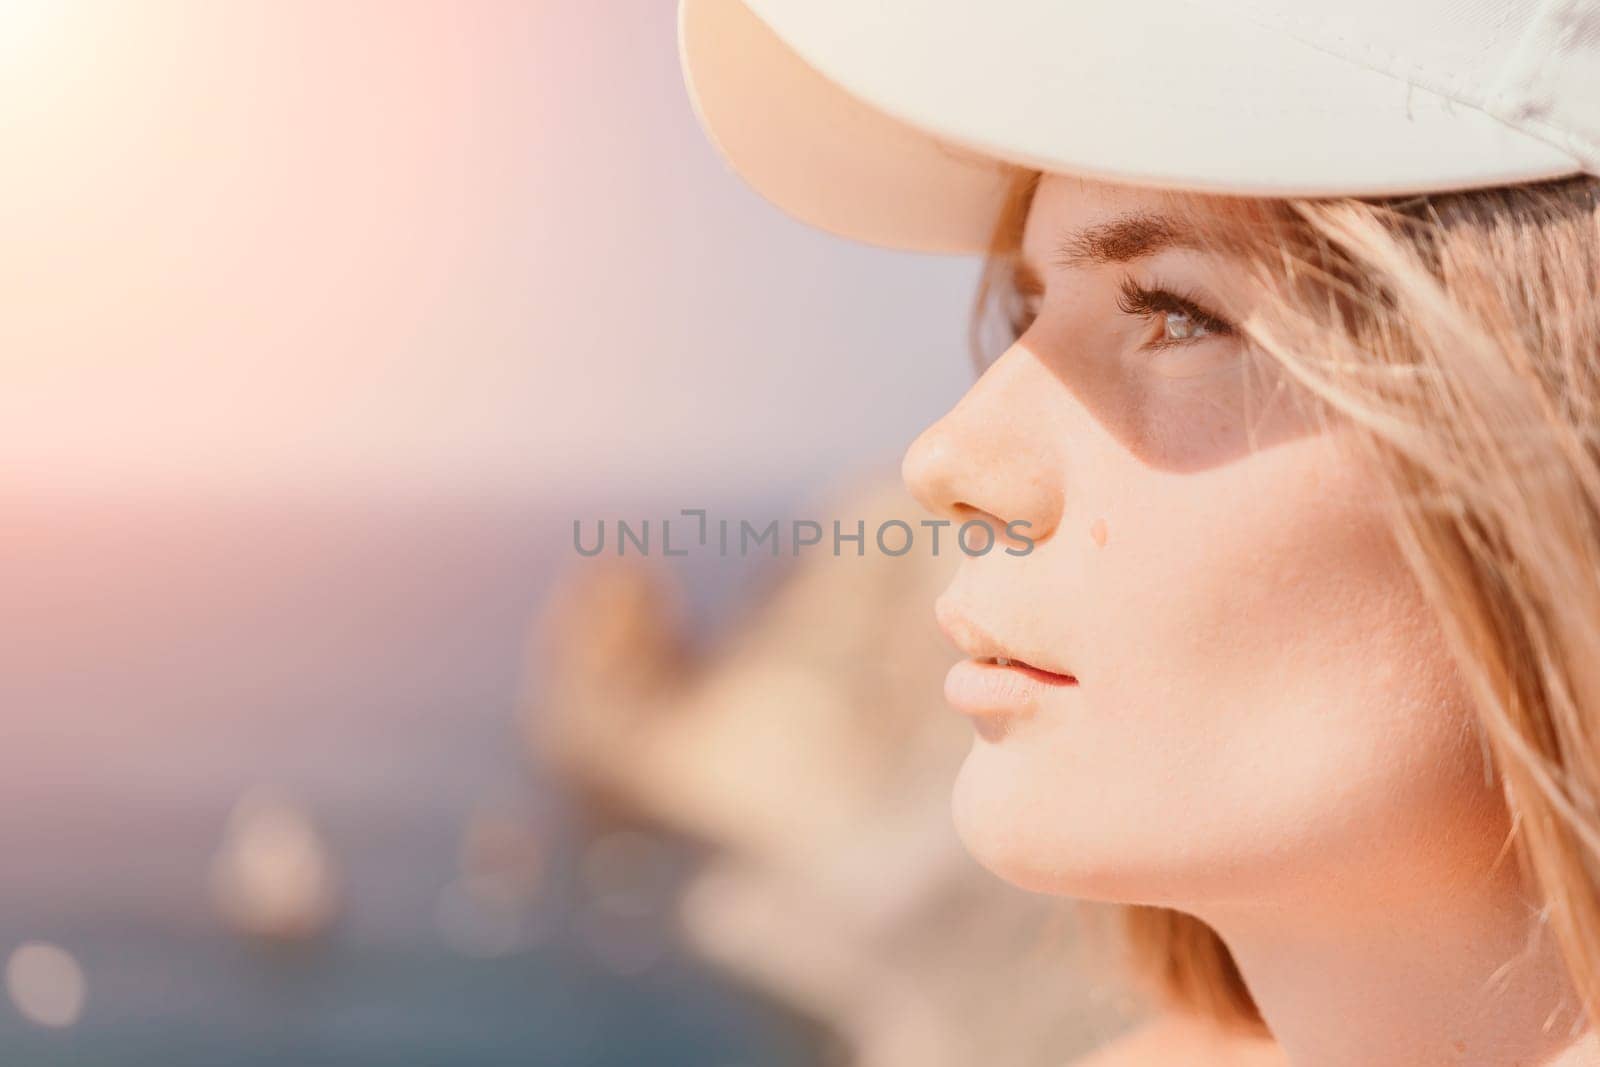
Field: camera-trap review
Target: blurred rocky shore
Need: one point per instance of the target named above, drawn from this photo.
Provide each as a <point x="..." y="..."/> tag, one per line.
<point x="808" y="754"/>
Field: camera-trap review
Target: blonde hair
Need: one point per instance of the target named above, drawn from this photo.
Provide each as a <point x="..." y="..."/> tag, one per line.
<point x="1459" y="335"/>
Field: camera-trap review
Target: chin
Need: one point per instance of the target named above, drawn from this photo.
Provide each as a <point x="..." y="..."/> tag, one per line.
<point x="1017" y="831"/>
<point x="1003" y="826"/>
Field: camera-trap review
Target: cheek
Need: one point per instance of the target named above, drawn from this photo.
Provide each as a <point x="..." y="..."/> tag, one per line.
<point x="1266" y="698"/>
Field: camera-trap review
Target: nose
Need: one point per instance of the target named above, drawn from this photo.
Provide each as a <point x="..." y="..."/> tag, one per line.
<point x="993" y="456"/>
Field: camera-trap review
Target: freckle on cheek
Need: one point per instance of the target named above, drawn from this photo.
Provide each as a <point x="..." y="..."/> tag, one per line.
<point x="1097" y="530"/>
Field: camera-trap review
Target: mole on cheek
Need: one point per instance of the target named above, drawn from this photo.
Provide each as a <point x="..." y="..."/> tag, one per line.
<point x="1097" y="530"/>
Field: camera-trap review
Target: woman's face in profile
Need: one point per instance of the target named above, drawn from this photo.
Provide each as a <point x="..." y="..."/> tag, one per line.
<point x="1263" y="705"/>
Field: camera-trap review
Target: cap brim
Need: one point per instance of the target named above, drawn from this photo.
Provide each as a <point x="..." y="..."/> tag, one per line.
<point x="899" y="124"/>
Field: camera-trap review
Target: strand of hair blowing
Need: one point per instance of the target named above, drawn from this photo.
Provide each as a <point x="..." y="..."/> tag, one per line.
<point x="1461" y="332"/>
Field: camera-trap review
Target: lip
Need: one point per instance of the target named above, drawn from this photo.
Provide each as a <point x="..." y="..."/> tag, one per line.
<point x="978" y="643"/>
<point x="994" y="687"/>
<point x="996" y="696"/>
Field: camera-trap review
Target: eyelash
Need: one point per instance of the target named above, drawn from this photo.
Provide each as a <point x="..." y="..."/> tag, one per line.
<point x="1137" y="300"/>
<point x="1141" y="302"/>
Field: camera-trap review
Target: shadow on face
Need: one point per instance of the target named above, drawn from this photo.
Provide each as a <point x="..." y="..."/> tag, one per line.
<point x="1263" y="699"/>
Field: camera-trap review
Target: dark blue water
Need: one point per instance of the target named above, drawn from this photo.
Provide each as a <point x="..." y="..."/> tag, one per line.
<point x="176" y="996"/>
<point x="371" y="659"/>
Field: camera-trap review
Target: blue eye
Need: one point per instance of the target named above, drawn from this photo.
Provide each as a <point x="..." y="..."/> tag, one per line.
<point x="1183" y="318"/>
<point x="1182" y="326"/>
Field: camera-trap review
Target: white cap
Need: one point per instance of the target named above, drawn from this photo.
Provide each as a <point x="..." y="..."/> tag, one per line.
<point x="898" y="122"/>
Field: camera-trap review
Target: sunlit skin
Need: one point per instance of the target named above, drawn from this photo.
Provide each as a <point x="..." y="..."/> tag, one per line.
<point x="1249" y="713"/>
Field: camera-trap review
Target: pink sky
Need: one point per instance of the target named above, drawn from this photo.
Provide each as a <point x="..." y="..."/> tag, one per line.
<point x="451" y="243"/>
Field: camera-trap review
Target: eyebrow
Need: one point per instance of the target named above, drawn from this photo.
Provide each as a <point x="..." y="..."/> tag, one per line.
<point x="1120" y="240"/>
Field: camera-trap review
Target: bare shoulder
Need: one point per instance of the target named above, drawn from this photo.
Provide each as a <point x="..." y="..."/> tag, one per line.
<point x="1171" y="1040"/>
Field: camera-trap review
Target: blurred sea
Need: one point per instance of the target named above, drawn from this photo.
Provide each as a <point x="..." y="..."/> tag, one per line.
<point x="367" y="656"/>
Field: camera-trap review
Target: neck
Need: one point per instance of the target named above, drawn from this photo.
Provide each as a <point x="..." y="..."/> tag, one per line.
<point x="1468" y="979"/>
